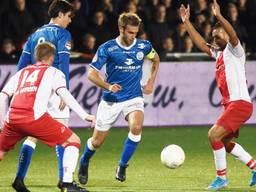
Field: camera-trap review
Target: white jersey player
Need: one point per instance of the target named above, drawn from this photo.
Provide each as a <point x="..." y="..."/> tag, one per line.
<point x="32" y="88"/>
<point x="231" y="80"/>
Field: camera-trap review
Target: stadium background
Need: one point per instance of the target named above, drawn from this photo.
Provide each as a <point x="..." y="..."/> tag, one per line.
<point x="94" y="23"/>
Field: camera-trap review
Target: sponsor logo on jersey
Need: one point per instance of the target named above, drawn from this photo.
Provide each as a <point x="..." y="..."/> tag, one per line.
<point x="68" y="45"/>
<point x="112" y="48"/>
<point x="141" y="45"/>
<point x="140" y="55"/>
<point x="129" y="61"/>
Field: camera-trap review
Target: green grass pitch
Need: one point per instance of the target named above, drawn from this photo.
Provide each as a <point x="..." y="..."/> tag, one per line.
<point x="145" y="173"/>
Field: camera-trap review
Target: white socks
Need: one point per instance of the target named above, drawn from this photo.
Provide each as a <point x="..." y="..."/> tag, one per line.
<point x="70" y="158"/>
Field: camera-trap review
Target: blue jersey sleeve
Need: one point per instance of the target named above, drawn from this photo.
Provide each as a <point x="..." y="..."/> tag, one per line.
<point x="100" y="58"/>
<point x="148" y="47"/>
<point x="63" y="49"/>
<point x="25" y="57"/>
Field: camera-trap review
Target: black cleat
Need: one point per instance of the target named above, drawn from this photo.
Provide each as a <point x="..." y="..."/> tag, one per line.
<point x="19" y="186"/>
<point x="83" y="174"/>
<point x="121" y="173"/>
<point x="72" y="187"/>
<point x="59" y="185"/>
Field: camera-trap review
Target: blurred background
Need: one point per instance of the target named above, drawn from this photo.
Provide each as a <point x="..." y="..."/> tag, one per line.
<point x="96" y="22"/>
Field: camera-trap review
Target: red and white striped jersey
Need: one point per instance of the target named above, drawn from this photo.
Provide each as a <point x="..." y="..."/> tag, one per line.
<point x="230" y="73"/>
<point x="32" y="88"/>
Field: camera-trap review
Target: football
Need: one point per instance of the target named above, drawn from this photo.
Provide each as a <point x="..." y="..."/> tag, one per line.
<point x="172" y="156"/>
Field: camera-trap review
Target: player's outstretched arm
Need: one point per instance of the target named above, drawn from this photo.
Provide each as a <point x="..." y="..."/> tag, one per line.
<point x="194" y="35"/>
<point x="74" y="105"/>
<point x="149" y="87"/>
<point x="93" y="76"/>
<point x="225" y="24"/>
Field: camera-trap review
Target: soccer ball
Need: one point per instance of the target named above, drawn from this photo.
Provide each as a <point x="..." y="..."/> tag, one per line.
<point x="172" y="156"/>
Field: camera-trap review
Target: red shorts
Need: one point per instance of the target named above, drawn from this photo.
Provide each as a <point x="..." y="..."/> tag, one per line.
<point x="235" y="115"/>
<point x="46" y="129"/>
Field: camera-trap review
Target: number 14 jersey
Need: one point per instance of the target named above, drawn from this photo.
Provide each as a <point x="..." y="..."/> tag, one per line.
<point x="31" y="88"/>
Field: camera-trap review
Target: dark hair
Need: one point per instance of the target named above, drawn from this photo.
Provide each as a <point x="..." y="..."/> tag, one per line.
<point x="62" y="6"/>
<point x="44" y="51"/>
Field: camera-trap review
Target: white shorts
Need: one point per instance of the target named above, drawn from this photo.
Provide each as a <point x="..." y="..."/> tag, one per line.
<point x="108" y="112"/>
<point x="53" y="108"/>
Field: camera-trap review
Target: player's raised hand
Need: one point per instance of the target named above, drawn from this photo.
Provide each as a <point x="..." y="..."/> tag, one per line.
<point x="216" y="8"/>
<point x="62" y="105"/>
<point x="148" y="88"/>
<point x="184" y="13"/>
<point x="92" y="119"/>
<point x="115" y="88"/>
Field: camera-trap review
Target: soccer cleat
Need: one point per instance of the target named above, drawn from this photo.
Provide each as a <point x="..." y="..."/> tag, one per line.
<point x="217" y="184"/>
<point x="83" y="174"/>
<point x="72" y="187"/>
<point x="253" y="179"/>
<point x="19" y="186"/>
<point x="121" y="173"/>
<point x="59" y="185"/>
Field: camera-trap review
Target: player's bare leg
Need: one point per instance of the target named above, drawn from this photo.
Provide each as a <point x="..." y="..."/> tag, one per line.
<point x="2" y="154"/>
<point x="135" y="121"/>
<point x="92" y="144"/>
<point x="216" y="135"/>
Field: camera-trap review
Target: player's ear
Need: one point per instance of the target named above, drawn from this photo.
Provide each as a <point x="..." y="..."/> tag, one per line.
<point x="60" y="14"/>
<point x="121" y="29"/>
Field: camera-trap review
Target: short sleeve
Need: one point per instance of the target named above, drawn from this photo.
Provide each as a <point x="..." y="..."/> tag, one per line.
<point x="238" y="50"/>
<point x="148" y="48"/>
<point x="64" y="43"/>
<point x="12" y="84"/>
<point x="59" y="80"/>
<point x="27" y="46"/>
<point x="100" y="58"/>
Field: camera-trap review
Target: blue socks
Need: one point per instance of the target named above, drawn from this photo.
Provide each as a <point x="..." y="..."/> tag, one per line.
<point x="88" y="153"/>
<point x="26" y="155"/>
<point x="129" y="148"/>
<point x="25" y="158"/>
<point x="60" y="152"/>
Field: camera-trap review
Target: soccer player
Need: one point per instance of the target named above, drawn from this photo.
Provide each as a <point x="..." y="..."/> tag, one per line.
<point x="60" y="12"/>
<point x="231" y="80"/>
<point x="122" y="91"/>
<point x="31" y="89"/>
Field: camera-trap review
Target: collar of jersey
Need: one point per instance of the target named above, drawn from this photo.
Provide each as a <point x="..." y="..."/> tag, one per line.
<point x="51" y="23"/>
<point x="127" y="48"/>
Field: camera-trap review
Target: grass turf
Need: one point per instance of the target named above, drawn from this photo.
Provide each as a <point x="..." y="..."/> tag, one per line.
<point x="145" y="173"/>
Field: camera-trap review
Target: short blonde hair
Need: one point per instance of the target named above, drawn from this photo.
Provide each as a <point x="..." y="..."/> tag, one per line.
<point x="44" y="51"/>
<point x="129" y="19"/>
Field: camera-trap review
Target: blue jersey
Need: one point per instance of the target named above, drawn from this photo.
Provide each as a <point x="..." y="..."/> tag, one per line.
<point x="56" y="35"/>
<point x="123" y="66"/>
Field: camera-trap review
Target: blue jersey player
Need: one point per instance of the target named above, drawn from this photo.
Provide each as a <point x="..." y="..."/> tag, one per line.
<point x="60" y="12"/>
<point x="123" y="94"/>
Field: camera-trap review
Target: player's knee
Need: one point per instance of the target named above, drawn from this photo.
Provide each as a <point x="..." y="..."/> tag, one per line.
<point x="1" y="155"/>
<point x="212" y="135"/>
<point x="136" y="129"/>
<point x="74" y="139"/>
<point x="32" y="139"/>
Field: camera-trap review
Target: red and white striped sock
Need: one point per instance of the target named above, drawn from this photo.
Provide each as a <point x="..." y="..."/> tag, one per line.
<point x="243" y="156"/>
<point x="252" y="164"/>
<point x="219" y="153"/>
